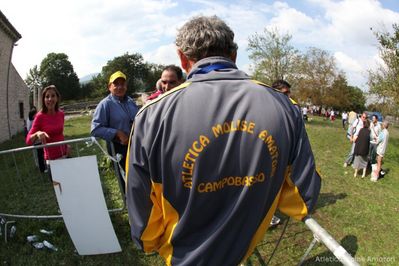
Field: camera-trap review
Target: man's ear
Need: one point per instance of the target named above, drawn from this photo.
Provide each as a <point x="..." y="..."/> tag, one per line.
<point x="184" y="62"/>
<point x="233" y="56"/>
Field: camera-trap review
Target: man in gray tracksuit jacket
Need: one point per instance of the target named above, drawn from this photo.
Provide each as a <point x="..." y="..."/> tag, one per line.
<point x="211" y="160"/>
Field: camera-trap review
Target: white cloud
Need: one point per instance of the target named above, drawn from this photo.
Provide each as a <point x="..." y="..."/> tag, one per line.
<point x="353" y="69"/>
<point x="345" y="26"/>
<point x="346" y="62"/>
<point x="288" y="19"/>
<point x="165" y="55"/>
<point x="91" y="32"/>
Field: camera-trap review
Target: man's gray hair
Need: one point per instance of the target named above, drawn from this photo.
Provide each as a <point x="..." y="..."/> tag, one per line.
<point x="203" y="37"/>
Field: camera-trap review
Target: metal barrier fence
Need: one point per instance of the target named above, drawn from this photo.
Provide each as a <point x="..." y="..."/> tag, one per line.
<point x="27" y="192"/>
<point x="321" y="235"/>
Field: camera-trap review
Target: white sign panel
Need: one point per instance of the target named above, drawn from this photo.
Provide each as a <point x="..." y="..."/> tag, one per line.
<point x="81" y="200"/>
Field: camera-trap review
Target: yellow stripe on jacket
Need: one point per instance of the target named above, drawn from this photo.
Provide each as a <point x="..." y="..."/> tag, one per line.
<point x="291" y="202"/>
<point x="161" y="224"/>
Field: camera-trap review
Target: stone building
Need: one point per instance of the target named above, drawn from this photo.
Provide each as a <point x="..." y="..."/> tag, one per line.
<point x="14" y="99"/>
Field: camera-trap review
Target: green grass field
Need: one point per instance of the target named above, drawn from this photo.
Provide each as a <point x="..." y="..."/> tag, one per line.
<point x="362" y="216"/>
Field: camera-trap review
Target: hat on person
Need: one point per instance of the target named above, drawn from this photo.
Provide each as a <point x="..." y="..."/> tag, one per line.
<point x="116" y="75"/>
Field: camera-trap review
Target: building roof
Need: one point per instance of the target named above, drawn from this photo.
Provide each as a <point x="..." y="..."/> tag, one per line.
<point x="9" y="28"/>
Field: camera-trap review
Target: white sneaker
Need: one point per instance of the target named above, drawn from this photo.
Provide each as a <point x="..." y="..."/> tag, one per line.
<point x="345" y="165"/>
<point x="275" y="221"/>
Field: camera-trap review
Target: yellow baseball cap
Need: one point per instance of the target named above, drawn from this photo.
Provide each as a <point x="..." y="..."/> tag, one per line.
<point x="116" y="75"/>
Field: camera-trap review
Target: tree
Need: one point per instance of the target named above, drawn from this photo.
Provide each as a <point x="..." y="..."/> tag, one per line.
<point x="33" y="79"/>
<point x="314" y="76"/>
<point x="87" y="90"/>
<point x="343" y="97"/>
<point x="141" y="76"/>
<point x="132" y="65"/>
<point x="155" y="72"/>
<point x="357" y="99"/>
<point x="274" y="58"/>
<point x="384" y="81"/>
<point x="56" y="69"/>
<point x="34" y="82"/>
<point x="337" y="96"/>
<point x="310" y="74"/>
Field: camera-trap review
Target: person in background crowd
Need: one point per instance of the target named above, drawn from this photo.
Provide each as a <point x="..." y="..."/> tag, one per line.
<point x="158" y="91"/>
<point x="305" y="113"/>
<point x="31" y="117"/>
<point x="344" y="119"/>
<point x="48" y="126"/>
<point x="327" y="114"/>
<point x="210" y="162"/>
<point x="113" y="119"/>
<point x="285" y="88"/>
<point x="172" y="76"/>
<point x="361" y="151"/>
<point x="332" y="115"/>
<point x="353" y="131"/>
<point x="375" y="129"/>
<point x="381" y="149"/>
<point x="38" y="154"/>
<point x="282" y="86"/>
<point x="352" y="116"/>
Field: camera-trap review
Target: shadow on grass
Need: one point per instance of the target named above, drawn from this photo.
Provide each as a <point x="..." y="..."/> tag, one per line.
<point x="293" y="231"/>
<point x="349" y="243"/>
<point x="326" y="199"/>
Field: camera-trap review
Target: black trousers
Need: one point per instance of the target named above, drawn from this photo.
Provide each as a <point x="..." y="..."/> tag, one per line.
<point x="114" y="148"/>
<point x="40" y="158"/>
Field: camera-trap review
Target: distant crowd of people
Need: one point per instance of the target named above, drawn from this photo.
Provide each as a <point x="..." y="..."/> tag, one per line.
<point x="326" y="113"/>
<point x="369" y="141"/>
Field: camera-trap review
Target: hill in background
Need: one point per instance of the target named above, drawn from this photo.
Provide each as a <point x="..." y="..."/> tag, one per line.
<point x="87" y="78"/>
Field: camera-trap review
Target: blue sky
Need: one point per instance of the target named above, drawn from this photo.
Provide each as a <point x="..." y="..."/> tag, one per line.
<point x="91" y="32"/>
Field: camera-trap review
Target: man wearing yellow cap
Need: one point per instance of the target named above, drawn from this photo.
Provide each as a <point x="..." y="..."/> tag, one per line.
<point x="114" y="117"/>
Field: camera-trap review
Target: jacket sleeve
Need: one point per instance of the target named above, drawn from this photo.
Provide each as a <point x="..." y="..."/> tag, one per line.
<point x="35" y="127"/>
<point x="302" y="182"/>
<point x="100" y="124"/>
<point x="143" y="196"/>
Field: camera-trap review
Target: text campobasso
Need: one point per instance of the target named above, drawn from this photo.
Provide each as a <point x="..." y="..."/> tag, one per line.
<point x="218" y="130"/>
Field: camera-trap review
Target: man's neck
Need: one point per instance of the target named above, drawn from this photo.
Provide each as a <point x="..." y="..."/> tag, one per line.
<point x="119" y="98"/>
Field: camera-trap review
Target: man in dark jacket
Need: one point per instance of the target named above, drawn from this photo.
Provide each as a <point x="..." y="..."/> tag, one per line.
<point x="211" y="160"/>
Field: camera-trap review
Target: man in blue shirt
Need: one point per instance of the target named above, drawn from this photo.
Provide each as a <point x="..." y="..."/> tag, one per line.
<point x="113" y="117"/>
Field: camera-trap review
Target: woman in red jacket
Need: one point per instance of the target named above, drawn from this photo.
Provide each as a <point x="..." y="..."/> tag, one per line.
<point x="48" y="125"/>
